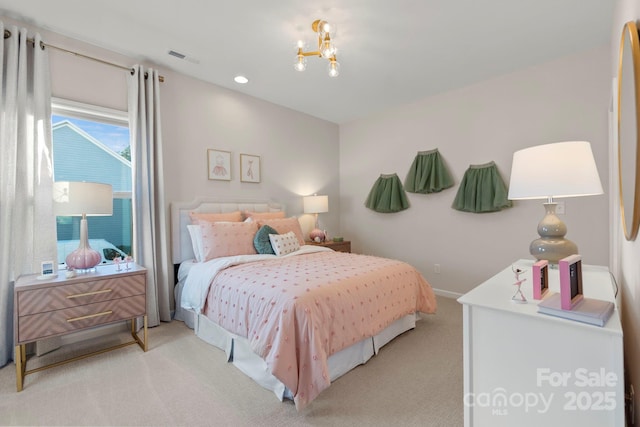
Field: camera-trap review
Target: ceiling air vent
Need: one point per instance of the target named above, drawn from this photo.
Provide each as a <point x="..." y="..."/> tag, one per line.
<point x="176" y="54"/>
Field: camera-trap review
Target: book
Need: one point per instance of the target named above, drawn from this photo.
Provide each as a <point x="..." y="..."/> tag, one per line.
<point x="588" y="310"/>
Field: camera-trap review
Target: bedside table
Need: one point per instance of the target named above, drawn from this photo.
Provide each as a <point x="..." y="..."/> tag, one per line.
<point x="344" y="246"/>
<point x="60" y="306"/>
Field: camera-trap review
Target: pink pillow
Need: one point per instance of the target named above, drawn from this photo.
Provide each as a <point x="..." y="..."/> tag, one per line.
<point x="221" y="239"/>
<point x="284" y="225"/>
<point x="256" y="216"/>
<point x="197" y="217"/>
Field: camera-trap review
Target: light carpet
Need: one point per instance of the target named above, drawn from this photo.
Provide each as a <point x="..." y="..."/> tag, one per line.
<point x="416" y="380"/>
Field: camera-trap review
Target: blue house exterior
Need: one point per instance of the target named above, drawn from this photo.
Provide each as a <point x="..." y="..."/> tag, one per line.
<point x="72" y="150"/>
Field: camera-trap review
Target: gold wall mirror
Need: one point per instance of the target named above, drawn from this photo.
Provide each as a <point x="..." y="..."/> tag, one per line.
<point x="628" y="135"/>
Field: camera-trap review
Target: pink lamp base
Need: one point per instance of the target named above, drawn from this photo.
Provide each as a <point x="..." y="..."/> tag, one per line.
<point x="83" y="258"/>
<point x="317" y="235"/>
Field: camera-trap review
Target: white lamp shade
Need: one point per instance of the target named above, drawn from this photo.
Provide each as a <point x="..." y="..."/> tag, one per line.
<point x="562" y="169"/>
<point x="315" y="204"/>
<point x="78" y="198"/>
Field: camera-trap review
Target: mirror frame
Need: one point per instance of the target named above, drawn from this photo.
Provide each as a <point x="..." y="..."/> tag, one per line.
<point x="630" y="224"/>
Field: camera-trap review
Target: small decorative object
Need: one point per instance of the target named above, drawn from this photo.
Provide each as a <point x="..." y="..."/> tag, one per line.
<point x="127" y="260"/>
<point x="249" y="168"/>
<point x="70" y="273"/>
<point x="46" y="270"/>
<point x="518" y="297"/>
<point x="338" y="239"/>
<point x="219" y="165"/>
<point x="540" y="279"/>
<point x="570" y="281"/>
<point x="317" y="235"/>
<point x="116" y="261"/>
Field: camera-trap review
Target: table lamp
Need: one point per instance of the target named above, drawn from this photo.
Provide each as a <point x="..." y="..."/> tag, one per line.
<point x="314" y="205"/>
<point x="82" y="199"/>
<point x="562" y="169"/>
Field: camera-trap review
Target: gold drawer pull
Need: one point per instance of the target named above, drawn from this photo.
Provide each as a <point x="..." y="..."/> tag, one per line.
<point x="89" y="316"/>
<point x="86" y="294"/>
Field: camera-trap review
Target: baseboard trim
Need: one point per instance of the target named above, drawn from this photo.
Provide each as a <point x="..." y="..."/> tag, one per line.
<point x="447" y="294"/>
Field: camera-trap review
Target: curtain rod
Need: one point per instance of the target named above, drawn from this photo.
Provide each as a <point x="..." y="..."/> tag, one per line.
<point x="7" y="34"/>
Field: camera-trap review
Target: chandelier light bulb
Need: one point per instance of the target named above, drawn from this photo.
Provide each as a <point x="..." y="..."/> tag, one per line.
<point x="334" y="68"/>
<point x="328" y="48"/>
<point x="300" y="64"/>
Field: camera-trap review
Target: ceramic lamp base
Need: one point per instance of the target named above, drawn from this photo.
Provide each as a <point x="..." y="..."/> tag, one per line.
<point x="317" y="235"/>
<point x="83" y="258"/>
<point x="552" y="246"/>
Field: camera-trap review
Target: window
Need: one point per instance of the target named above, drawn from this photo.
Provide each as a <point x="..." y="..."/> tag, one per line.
<point x="92" y="144"/>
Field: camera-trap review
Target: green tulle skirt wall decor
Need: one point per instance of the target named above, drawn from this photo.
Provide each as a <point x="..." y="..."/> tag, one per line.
<point x="482" y="190"/>
<point x="428" y="174"/>
<point x="387" y="195"/>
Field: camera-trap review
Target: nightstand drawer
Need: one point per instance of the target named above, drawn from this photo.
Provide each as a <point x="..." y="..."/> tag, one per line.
<point x="42" y="325"/>
<point x="72" y="295"/>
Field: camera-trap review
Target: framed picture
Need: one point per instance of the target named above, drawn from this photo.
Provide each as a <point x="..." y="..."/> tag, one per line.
<point x="540" y="279"/>
<point x="219" y="164"/>
<point x="46" y="270"/>
<point x="570" y="281"/>
<point x="249" y="168"/>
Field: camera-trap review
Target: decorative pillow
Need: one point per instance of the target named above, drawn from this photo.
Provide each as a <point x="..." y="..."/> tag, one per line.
<point x="284" y="243"/>
<point x="197" y="217"/>
<point x="255" y="216"/>
<point x="196" y="241"/>
<point x="261" y="240"/>
<point x="221" y="239"/>
<point x="284" y="225"/>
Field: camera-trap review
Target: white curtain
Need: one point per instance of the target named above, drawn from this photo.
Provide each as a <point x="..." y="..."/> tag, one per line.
<point x="150" y="242"/>
<point x="27" y="223"/>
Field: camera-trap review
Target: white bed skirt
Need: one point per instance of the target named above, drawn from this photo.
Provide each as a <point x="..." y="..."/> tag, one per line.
<point x="239" y="352"/>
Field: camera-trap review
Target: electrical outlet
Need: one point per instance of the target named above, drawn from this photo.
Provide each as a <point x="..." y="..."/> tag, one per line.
<point x="560" y="207"/>
<point x="436" y="268"/>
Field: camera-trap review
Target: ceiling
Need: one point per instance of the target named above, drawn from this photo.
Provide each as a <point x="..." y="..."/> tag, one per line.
<point x="391" y="52"/>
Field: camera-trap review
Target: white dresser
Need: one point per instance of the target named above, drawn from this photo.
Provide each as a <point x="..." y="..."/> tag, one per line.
<point x="522" y="368"/>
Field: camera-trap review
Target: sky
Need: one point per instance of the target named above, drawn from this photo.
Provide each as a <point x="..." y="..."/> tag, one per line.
<point x="114" y="137"/>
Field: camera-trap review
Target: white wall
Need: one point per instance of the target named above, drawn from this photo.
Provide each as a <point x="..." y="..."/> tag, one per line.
<point x="558" y="101"/>
<point x="626" y="255"/>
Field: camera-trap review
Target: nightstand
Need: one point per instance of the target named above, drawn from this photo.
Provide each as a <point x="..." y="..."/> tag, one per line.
<point x="60" y="306"/>
<point x="344" y="246"/>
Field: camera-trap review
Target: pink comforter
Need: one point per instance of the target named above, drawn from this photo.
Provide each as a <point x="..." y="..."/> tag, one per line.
<point x="297" y="311"/>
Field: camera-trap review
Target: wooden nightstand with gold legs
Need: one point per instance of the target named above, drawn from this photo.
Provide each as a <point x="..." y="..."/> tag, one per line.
<point x="60" y="306"/>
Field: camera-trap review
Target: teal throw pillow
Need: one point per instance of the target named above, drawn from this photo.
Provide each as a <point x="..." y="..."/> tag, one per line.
<point x="261" y="240"/>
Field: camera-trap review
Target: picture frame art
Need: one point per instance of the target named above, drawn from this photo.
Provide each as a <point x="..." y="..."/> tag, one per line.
<point x="219" y="165"/>
<point x="249" y="168"/>
<point x="570" y="281"/>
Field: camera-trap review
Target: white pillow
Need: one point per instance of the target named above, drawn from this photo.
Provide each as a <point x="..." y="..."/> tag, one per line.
<point x="196" y="241"/>
<point x="283" y="244"/>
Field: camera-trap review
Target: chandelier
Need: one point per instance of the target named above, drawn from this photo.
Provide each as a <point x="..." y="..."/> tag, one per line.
<point x="326" y="48"/>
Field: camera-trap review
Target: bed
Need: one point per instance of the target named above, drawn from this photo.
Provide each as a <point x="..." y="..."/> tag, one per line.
<point x="297" y="320"/>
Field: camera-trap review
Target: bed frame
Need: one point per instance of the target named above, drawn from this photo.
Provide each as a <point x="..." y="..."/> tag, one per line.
<point x="237" y="349"/>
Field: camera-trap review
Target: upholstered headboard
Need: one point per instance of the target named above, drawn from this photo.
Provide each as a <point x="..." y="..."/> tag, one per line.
<point x="182" y="248"/>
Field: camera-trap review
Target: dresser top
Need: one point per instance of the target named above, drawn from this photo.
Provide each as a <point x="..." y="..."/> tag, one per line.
<point x="103" y="271"/>
<point x="496" y="292"/>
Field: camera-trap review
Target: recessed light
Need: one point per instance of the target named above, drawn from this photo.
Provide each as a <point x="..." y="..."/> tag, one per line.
<point x="241" y="79"/>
